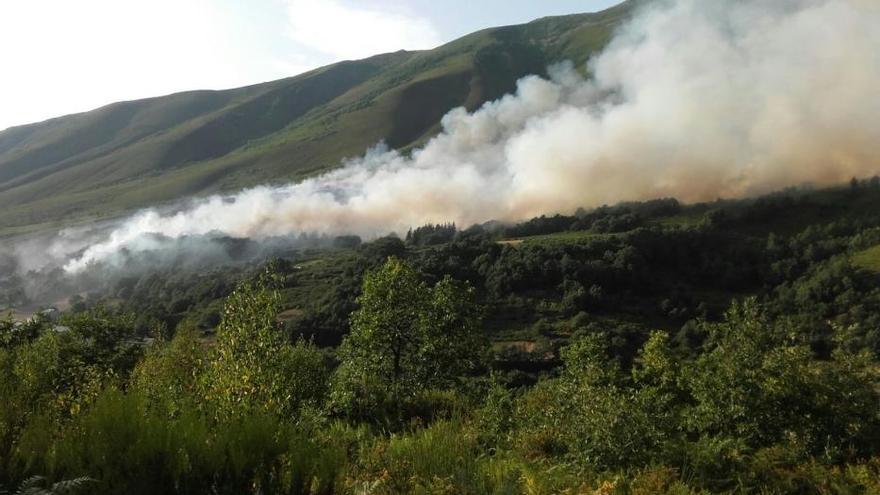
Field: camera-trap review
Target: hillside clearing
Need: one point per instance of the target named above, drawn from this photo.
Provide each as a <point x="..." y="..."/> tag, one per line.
<point x="868" y="259"/>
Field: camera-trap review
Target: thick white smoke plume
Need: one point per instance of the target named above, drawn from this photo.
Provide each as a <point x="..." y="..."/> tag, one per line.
<point x="695" y="99"/>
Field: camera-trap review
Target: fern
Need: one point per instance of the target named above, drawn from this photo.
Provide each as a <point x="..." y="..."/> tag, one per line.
<point x="32" y="486"/>
<point x="39" y="485"/>
<point x="70" y="487"/>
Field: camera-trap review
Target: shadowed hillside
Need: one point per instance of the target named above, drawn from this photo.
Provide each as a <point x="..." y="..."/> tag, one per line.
<point x="139" y="153"/>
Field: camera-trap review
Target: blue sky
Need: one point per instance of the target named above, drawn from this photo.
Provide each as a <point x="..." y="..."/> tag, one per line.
<point x="63" y="56"/>
<point x="458" y="17"/>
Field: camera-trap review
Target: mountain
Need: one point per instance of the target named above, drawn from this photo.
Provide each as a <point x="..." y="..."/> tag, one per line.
<point x="139" y="153"/>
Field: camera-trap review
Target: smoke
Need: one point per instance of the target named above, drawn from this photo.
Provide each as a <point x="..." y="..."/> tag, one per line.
<point x="693" y="99"/>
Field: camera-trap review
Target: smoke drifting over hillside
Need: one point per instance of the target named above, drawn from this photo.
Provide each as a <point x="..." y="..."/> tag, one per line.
<point x="693" y="99"/>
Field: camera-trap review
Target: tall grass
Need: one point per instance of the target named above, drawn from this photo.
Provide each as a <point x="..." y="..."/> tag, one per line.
<point x="131" y="449"/>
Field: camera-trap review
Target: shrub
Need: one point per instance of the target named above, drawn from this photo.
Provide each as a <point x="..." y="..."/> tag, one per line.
<point x="589" y="414"/>
<point x="132" y="449"/>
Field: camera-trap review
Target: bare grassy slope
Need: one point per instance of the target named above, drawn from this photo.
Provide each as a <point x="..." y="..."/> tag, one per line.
<point x="134" y="154"/>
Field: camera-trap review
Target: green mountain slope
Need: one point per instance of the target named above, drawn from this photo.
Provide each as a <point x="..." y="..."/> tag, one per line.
<point x="140" y="153"/>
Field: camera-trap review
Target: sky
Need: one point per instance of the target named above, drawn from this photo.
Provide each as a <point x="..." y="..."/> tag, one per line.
<point x="65" y="56"/>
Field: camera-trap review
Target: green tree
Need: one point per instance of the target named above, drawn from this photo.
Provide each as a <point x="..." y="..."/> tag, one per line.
<point x="56" y="374"/>
<point x="591" y="413"/>
<point x="168" y="374"/>
<point x="759" y="382"/>
<point x="406" y="337"/>
<point x="109" y="336"/>
<point x="253" y="367"/>
<point x="10" y="411"/>
<point x="451" y="342"/>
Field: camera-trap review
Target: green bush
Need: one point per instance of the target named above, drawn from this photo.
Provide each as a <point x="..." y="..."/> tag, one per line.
<point x="590" y="414"/>
<point x="760" y="384"/>
<point x="445" y="457"/>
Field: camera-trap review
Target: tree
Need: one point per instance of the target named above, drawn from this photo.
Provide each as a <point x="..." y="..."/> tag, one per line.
<point x="452" y="345"/>
<point x="406" y="336"/>
<point x="167" y="376"/>
<point x="591" y="413"/>
<point x="254" y="369"/>
<point x="760" y="383"/>
<point x="107" y="336"/>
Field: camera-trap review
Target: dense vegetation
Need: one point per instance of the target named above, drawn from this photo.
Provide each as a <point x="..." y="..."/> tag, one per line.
<point x="641" y="348"/>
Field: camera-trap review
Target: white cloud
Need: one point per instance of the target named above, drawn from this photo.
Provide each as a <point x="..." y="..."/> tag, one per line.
<point x="346" y="32"/>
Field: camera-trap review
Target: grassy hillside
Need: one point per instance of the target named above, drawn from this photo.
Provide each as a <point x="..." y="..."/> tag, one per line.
<point x="134" y="154"/>
<point x="868" y="259"/>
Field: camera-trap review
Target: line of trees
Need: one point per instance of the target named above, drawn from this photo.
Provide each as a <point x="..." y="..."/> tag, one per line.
<point x="407" y="405"/>
<point x="645" y="377"/>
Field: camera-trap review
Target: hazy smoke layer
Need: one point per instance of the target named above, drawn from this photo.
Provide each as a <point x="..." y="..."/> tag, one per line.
<point x="694" y="99"/>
